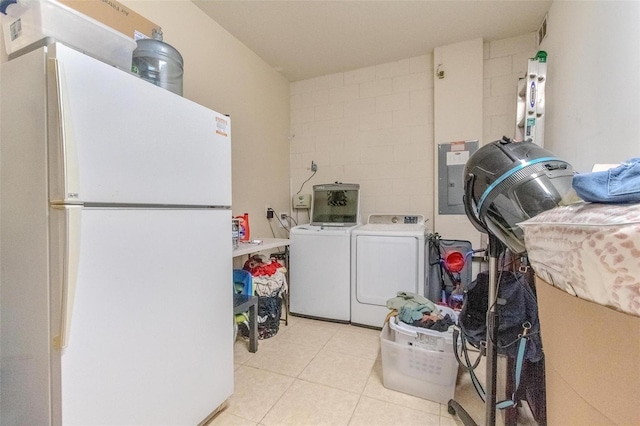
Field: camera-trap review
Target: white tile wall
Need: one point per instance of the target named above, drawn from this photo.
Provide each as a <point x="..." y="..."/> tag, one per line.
<point x="374" y="126"/>
<point x="505" y="62"/>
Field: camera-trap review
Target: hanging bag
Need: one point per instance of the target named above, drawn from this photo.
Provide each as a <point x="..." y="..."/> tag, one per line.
<point x="518" y="328"/>
<point x="517" y="309"/>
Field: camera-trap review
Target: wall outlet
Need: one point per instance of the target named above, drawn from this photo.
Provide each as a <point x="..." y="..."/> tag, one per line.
<point x="269" y="211"/>
<point x="314" y="167"/>
<point x="284" y="221"/>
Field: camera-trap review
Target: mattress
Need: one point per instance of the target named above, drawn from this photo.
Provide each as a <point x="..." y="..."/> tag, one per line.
<point x="589" y="250"/>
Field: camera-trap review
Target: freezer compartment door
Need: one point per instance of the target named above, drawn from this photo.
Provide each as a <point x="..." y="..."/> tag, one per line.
<point x="115" y="138"/>
<point x="150" y="323"/>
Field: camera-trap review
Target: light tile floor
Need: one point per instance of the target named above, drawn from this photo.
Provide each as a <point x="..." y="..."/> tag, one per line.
<point x="323" y="373"/>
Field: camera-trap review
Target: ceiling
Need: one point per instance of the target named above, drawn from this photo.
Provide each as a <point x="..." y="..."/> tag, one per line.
<point x="307" y="38"/>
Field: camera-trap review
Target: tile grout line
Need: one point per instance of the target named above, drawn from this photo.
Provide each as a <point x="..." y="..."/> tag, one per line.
<point x="297" y="377"/>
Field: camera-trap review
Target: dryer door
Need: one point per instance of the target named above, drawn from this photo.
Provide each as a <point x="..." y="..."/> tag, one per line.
<point x="386" y="265"/>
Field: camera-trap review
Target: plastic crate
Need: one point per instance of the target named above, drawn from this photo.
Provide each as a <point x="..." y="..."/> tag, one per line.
<point x="420" y="372"/>
<point x="422" y="337"/>
<point x="29" y="21"/>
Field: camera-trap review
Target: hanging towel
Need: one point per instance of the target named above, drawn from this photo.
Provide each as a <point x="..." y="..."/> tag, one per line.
<point x="410" y="306"/>
<point x="617" y="185"/>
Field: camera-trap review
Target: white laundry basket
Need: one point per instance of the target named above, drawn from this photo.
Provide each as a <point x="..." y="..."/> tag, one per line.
<point x="418" y="361"/>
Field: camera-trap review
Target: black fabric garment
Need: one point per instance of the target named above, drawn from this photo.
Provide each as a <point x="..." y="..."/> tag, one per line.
<point x="269" y="312"/>
<point x="518" y="306"/>
<point x="442" y="324"/>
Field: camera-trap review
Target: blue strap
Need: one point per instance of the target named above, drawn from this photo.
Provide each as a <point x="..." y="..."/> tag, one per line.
<point x="507" y="403"/>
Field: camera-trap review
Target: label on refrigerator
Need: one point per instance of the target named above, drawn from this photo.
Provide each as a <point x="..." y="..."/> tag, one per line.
<point x="15" y="29"/>
<point x="221" y="126"/>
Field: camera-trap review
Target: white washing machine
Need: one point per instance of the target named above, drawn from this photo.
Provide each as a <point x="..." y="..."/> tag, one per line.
<point x="320" y="255"/>
<point x="320" y="272"/>
<point x="387" y="256"/>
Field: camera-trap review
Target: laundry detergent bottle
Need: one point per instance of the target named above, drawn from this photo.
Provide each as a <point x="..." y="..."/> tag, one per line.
<point x="243" y="227"/>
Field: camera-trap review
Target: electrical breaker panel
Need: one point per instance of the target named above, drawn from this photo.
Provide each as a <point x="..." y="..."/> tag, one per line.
<point x="452" y="159"/>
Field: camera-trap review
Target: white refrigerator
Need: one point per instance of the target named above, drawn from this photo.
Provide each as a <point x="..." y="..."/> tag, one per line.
<point x="116" y="268"/>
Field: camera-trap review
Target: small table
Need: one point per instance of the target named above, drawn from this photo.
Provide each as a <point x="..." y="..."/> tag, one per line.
<point x="264" y="244"/>
<point x="248" y="248"/>
<point x="243" y="303"/>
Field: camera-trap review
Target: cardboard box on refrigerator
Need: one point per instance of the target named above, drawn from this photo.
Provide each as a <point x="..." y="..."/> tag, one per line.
<point x="29" y="24"/>
<point x="116" y="16"/>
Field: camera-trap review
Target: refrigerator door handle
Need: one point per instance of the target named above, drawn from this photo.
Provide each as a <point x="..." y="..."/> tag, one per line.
<point x="70" y="250"/>
<point x="63" y="144"/>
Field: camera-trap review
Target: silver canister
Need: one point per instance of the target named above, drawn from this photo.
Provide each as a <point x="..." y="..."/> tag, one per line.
<point x="235" y="232"/>
<point x="158" y="63"/>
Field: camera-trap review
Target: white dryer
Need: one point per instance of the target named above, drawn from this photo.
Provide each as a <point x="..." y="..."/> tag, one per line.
<point x="387" y="256"/>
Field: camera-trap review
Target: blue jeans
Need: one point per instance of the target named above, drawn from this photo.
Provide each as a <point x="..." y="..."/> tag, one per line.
<point x="618" y="185"/>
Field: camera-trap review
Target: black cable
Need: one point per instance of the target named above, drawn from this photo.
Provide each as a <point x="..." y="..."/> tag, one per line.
<point x="434" y="240"/>
<point x="283" y="225"/>
<point x="271" y="227"/>
<point x="312" y="175"/>
<point x="458" y="333"/>
<point x="502" y="259"/>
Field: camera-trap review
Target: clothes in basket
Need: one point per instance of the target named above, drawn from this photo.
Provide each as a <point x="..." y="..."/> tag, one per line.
<point x="419" y="361"/>
<point x="270" y="285"/>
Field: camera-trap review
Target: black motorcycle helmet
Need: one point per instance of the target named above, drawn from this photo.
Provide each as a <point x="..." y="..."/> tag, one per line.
<point x="507" y="182"/>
